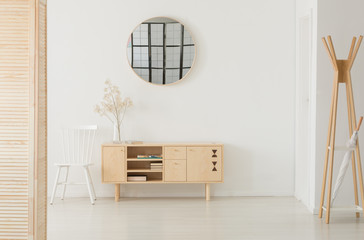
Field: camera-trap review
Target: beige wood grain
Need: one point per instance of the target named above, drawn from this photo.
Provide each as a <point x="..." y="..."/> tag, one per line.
<point x="140" y="164"/>
<point x="33" y="113"/>
<point x="332" y="150"/>
<point x="117" y="192"/>
<point x="351" y="129"/>
<point x="195" y="166"/>
<point x="200" y="164"/>
<point x="16" y="121"/>
<point x="23" y="119"/>
<point x="327" y="152"/>
<point x="353" y="119"/>
<point x="134" y="151"/>
<point x="207" y="191"/>
<point x="175" y="171"/>
<point x="165" y="144"/>
<point x="40" y="202"/>
<point x="113" y="164"/>
<point x="175" y="152"/>
<point x="342" y="75"/>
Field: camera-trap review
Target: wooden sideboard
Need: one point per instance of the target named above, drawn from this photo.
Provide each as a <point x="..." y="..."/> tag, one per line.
<point x="180" y="163"/>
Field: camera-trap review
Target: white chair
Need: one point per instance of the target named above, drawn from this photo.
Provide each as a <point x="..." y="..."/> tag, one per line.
<point x="77" y="145"/>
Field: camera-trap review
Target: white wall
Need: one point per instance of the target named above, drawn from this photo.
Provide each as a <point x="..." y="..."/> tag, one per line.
<point x="342" y="20"/>
<point x="240" y="91"/>
<point x="305" y="122"/>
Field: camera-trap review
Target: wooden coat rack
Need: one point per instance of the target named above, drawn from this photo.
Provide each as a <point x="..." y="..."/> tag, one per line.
<point x="342" y="75"/>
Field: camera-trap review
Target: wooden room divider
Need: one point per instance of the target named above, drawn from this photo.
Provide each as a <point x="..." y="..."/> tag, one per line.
<point x="23" y="119"/>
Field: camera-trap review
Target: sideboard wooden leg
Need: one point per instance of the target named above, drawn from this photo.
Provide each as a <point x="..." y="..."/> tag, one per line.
<point x="117" y="192"/>
<point x="207" y="191"/>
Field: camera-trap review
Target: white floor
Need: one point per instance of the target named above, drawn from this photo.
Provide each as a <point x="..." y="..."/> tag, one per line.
<point x="223" y="218"/>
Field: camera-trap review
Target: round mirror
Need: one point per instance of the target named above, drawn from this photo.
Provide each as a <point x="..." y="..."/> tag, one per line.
<point x="161" y="50"/>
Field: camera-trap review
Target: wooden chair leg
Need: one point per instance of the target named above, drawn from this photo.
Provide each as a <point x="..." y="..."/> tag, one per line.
<point x="89" y="186"/>
<point x="55" y="184"/>
<point x="65" y="183"/>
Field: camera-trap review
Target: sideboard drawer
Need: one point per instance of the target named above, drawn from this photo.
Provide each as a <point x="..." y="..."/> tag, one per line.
<point x="175" y="171"/>
<point x="175" y="153"/>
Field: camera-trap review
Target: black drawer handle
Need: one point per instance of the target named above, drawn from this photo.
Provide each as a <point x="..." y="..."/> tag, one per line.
<point x="214" y="153"/>
<point x="214" y="163"/>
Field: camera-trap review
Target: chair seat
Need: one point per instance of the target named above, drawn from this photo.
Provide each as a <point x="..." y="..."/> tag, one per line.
<point x="73" y="164"/>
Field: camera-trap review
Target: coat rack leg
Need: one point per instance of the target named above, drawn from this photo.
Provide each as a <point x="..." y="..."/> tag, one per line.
<point x="332" y="150"/>
<point x="327" y="152"/>
<point x="350" y="118"/>
<point x="360" y="173"/>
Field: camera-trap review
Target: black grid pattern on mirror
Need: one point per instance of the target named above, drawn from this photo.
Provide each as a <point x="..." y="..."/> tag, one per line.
<point x="161" y="52"/>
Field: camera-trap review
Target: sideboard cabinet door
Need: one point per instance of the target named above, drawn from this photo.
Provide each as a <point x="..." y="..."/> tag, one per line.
<point x="204" y="164"/>
<point x="113" y="164"/>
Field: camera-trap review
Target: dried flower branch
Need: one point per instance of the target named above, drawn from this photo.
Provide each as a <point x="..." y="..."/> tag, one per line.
<point x="113" y="106"/>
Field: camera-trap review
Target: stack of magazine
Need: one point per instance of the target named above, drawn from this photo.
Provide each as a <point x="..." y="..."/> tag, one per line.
<point x="156" y="166"/>
<point x="137" y="178"/>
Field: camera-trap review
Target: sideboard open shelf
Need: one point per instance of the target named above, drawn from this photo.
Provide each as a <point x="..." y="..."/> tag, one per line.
<point x="176" y="163"/>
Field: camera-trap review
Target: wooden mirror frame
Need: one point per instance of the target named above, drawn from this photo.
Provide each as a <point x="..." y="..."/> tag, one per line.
<point x="184" y="76"/>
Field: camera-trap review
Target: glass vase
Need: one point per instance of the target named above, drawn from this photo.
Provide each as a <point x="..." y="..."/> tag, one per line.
<point x="118" y="133"/>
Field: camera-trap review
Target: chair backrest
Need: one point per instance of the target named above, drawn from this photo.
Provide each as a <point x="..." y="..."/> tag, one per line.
<point x="77" y="144"/>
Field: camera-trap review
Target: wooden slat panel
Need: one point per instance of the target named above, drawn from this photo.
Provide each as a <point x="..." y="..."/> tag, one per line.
<point x="41" y="173"/>
<point x="15" y="119"/>
<point x="23" y="128"/>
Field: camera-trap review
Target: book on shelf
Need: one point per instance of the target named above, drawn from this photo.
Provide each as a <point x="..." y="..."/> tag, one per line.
<point x="149" y="156"/>
<point x="137" y="178"/>
<point x="156" y="168"/>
